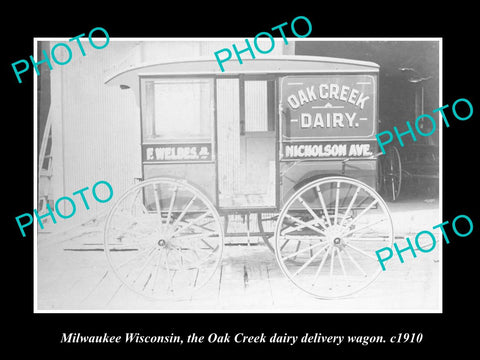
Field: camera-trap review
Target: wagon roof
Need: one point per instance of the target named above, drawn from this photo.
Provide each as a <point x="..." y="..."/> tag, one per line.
<point x="289" y="64"/>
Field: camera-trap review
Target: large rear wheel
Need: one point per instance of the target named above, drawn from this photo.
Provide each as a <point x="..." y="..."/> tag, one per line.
<point x="331" y="228"/>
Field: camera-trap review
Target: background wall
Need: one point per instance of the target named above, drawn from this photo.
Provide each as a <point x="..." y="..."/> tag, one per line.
<point x="96" y="128"/>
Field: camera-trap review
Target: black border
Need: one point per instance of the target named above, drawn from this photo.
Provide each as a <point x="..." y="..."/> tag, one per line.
<point x="454" y="329"/>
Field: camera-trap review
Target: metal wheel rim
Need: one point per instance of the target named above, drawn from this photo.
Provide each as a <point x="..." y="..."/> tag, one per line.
<point x="395" y="177"/>
<point x="387" y="242"/>
<point x="218" y="250"/>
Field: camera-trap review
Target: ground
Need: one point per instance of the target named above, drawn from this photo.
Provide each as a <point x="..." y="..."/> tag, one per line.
<point x="70" y="278"/>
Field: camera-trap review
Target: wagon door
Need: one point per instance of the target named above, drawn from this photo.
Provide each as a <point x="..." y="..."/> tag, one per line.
<point x="246" y="141"/>
<point x="326" y="119"/>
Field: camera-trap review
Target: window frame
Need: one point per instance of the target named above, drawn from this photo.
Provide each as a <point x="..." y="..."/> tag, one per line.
<point x="271" y="100"/>
<point x="178" y="140"/>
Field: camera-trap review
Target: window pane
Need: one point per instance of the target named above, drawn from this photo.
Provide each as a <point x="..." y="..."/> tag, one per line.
<point x="178" y="109"/>
<point x="256" y="106"/>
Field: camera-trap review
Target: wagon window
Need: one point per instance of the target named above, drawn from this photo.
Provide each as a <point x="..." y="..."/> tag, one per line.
<point x="177" y="109"/>
<point x="256" y="106"/>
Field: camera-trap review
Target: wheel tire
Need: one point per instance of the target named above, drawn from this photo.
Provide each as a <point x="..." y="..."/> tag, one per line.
<point x="322" y="226"/>
<point x="163" y="239"/>
<point x="392" y="174"/>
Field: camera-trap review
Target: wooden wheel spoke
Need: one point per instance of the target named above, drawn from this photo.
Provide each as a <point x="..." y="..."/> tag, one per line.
<point x="361" y="252"/>
<point x="208" y="244"/>
<point x="183" y="255"/>
<point x="354" y="197"/>
<point x="309" y="261"/>
<point x="319" y="269"/>
<point x="310" y="210"/>
<point x="194" y="236"/>
<point x="366" y="226"/>
<point x="355" y="238"/>
<point x="289" y="229"/>
<point x="157" y="270"/>
<point x="340" y="260"/>
<point x="170" y="208"/>
<point x="209" y="253"/>
<point x="137" y="234"/>
<point x="184" y="211"/>
<point x="132" y="246"/>
<point x="204" y="228"/>
<point x="364" y="211"/>
<point x="135" y="221"/>
<point x="136" y="257"/>
<point x="331" y="266"/>
<point x="297" y="248"/>
<point x="284" y="244"/>
<point x="157" y="204"/>
<point x="191" y="223"/>
<point x="302" y="251"/>
<point x="304" y="237"/>
<point x="171" y="275"/>
<point x="337" y="195"/>
<point x="303" y="225"/>
<point x="354" y="262"/>
<point x="145" y="264"/>
<point x="324" y="207"/>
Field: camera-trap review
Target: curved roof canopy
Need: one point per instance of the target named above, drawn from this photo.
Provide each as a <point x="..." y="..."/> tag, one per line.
<point x="128" y="77"/>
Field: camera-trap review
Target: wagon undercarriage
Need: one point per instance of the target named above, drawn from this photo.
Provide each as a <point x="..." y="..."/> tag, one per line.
<point x="324" y="238"/>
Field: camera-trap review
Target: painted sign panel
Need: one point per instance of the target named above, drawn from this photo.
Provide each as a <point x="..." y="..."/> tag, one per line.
<point x="328" y="150"/>
<point x="328" y="106"/>
<point x="158" y="153"/>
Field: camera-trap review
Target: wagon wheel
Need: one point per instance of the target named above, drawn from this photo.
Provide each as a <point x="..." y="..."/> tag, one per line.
<point x="392" y="174"/>
<point x="269" y="240"/>
<point x="163" y="238"/>
<point x="335" y="257"/>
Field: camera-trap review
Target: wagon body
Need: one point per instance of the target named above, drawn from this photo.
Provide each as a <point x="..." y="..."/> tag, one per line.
<point x="251" y="136"/>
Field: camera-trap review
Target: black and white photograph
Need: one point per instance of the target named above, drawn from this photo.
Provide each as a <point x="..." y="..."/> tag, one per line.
<point x="300" y="181"/>
<point x="256" y="187"/>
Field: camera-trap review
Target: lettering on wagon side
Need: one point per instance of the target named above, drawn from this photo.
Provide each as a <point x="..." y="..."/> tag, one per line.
<point x="176" y="152"/>
<point x="312" y="150"/>
<point x="328" y="106"/>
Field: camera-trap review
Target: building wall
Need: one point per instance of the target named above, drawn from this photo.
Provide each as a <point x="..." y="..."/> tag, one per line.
<point x="96" y="128"/>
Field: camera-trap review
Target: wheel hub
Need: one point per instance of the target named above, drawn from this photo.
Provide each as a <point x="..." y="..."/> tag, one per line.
<point x="334" y="236"/>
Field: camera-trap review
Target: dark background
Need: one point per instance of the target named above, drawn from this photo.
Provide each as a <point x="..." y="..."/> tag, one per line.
<point x="407" y="67"/>
<point x="396" y="93"/>
<point x="450" y="330"/>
